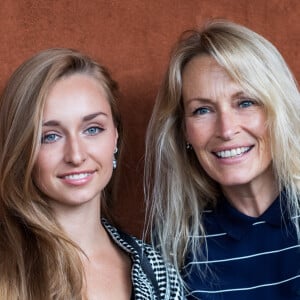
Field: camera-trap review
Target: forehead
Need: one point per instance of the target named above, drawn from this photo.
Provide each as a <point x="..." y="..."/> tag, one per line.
<point x="75" y="94"/>
<point x="76" y="87"/>
<point x="201" y="66"/>
<point x="204" y="77"/>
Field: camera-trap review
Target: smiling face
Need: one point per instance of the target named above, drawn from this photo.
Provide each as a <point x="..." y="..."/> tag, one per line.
<point x="74" y="163"/>
<point x="226" y="128"/>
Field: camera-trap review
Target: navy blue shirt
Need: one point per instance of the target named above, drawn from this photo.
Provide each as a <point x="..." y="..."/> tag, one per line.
<point x="247" y="257"/>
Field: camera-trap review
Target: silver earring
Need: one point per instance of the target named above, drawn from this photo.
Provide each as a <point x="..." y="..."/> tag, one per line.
<point x="114" y="159"/>
<point x="188" y="146"/>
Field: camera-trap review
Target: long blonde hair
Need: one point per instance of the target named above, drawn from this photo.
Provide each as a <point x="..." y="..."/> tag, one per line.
<point x="176" y="186"/>
<point x="37" y="259"/>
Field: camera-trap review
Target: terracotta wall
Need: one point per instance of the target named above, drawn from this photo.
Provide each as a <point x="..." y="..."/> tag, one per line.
<point x="133" y="38"/>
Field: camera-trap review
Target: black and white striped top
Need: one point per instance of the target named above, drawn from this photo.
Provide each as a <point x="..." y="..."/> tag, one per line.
<point x="167" y="279"/>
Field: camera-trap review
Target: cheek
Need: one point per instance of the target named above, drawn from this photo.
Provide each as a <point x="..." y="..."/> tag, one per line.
<point x="261" y="131"/>
<point x="41" y="168"/>
<point x="42" y="160"/>
<point x="265" y="147"/>
<point x="257" y="121"/>
<point x="196" y="134"/>
<point x="102" y="152"/>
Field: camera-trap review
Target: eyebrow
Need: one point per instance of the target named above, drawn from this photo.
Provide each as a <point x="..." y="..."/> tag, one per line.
<point x="235" y="95"/>
<point x="92" y="116"/>
<point x="84" y="119"/>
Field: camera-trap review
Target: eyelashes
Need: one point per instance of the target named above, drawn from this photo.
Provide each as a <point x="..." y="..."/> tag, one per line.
<point x="240" y="104"/>
<point x="52" y="137"/>
<point x="94" y="130"/>
<point x="49" y="138"/>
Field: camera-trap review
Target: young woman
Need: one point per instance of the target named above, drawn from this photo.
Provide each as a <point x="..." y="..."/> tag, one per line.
<point x="224" y="151"/>
<point x="60" y="133"/>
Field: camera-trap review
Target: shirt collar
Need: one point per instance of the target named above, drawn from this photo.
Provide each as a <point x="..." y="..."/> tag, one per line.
<point x="116" y="236"/>
<point x="236" y="224"/>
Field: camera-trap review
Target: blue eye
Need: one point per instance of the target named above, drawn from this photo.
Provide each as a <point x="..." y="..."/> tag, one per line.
<point x="246" y="103"/>
<point x="201" y="111"/>
<point x="93" y="130"/>
<point x="49" y="138"/>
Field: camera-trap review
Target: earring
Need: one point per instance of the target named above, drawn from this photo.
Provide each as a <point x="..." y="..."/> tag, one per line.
<point x="114" y="159"/>
<point x="188" y="146"/>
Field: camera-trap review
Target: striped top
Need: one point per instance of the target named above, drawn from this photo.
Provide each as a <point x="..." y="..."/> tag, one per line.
<point x="169" y="285"/>
<point x="247" y="257"/>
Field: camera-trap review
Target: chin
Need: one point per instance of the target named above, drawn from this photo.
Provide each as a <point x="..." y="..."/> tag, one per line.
<point x="233" y="183"/>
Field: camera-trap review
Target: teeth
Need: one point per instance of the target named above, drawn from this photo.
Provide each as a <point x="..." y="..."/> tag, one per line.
<point x="232" y="152"/>
<point x="77" y="176"/>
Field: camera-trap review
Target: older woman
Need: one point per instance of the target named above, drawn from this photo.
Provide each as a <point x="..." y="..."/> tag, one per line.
<point x="223" y="147"/>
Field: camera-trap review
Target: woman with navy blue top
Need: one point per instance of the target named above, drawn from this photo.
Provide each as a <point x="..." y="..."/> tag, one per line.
<point x="223" y="166"/>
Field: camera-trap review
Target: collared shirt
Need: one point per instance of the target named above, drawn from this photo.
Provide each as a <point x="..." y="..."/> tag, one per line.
<point x="167" y="279"/>
<point x="246" y="257"/>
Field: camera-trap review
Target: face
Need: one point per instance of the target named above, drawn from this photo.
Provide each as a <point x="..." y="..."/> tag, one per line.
<point x="74" y="163"/>
<point x="225" y="126"/>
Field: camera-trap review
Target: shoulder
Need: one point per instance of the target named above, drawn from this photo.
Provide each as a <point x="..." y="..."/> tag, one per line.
<point x="148" y="267"/>
<point x="165" y="273"/>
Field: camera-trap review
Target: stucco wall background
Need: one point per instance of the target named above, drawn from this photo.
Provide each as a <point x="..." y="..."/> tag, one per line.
<point x="133" y="39"/>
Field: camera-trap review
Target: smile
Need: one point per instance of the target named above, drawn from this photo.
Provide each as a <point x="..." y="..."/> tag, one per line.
<point x="77" y="176"/>
<point x="232" y="152"/>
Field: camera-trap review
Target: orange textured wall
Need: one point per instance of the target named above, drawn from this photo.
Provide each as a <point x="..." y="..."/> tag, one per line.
<point x="133" y="38"/>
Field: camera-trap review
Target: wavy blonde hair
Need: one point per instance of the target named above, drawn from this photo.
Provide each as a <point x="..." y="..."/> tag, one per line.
<point x="176" y="186"/>
<point x="37" y="259"/>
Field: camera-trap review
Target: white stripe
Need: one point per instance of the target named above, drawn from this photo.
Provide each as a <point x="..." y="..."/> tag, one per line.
<point x="257" y="223"/>
<point x="242" y="257"/>
<point x="209" y="235"/>
<point x="224" y="233"/>
<point x="246" y="288"/>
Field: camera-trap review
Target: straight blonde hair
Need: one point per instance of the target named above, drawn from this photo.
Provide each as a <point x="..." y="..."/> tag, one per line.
<point x="176" y="186"/>
<point x="37" y="259"/>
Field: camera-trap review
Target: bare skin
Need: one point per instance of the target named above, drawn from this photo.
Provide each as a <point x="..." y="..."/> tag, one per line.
<point x="108" y="274"/>
<point x="73" y="167"/>
<point x="107" y="267"/>
<point x="107" y="270"/>
<point x="227" y="130"/>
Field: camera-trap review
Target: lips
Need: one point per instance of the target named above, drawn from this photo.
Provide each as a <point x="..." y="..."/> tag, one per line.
<point x="231" y="153"/>
<point x="76" y="175"/>
<point x="77" y="178"/>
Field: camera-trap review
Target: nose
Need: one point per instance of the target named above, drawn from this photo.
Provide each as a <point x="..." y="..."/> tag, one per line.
<point x="74" y="151"/>
<point x="227" y="125"/>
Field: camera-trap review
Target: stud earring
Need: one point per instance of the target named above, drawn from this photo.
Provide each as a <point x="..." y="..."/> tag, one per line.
<point x="188" y="146"/>
<point x="114" y="159"/>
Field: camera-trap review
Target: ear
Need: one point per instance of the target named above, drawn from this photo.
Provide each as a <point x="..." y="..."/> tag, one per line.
<point x="116" y="137"/>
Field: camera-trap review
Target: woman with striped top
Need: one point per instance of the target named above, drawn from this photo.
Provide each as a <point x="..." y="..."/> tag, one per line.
<point x="60" y="130"/>
<point x="223" y="166"/>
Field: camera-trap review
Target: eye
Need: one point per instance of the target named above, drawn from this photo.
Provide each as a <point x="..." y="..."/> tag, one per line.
<point x="93" y="130"/>
<point x="201" y="111"/>
<point x="246" y="103"/>
<point x="50" y="138"/>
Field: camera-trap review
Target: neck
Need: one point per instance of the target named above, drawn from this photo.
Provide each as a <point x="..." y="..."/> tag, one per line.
<point x="82" y="224"/>
<point x="254" y="198"/>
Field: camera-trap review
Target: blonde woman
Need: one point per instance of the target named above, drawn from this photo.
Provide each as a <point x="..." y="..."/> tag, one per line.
<point x="60" y="135"/>
<point x="223" y="166"/>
